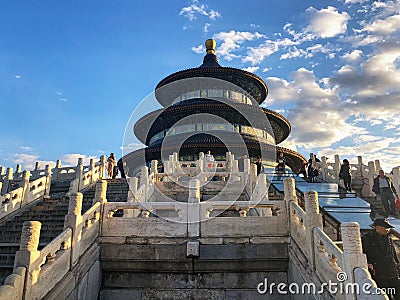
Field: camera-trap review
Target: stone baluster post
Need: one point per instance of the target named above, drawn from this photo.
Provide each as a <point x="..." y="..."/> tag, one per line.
<point x="353" y="256"/>
<point x="132" y="197"/>
<point x="103" y="166"/>
<point x="246" y="166"/>
<point x="312" y="220"/>
<point x="144" y="180"/>
<point x="36" y="171"/>
<point x="324" y="167"/>
<point x="262" y="195"/>
<point x="336" y="168"/>
<point x="360" y="167"/>
<point x="92" y="170"/>
<point x="171" y="160"/>
<point x="26" y="175"/>
<point x="262" y="189"/>
<point x="47" y="173"/>
<point x="28" y="254"/>
<point x="193" y="208"/>
<point x="177" y="169"/>
<point x="371" y="176"/>
<point x="79" y="173"/>
<point x="6" y="182"/>
<point x="253" y="177"/>
<point x="377" y="165"/>
<point x="231" y="163"/>
<point x="247" y="176"/>
<point x="396" y="179"/>
<point x="154" y="166"/>
<point x="289" y="191"/>
<point x="2" y="170"/>
<point x="18" y="171"/>
<point x="227" y="161"/>
<point x="73" y="220"/>
<point x="201" y="162"/>
<point x="235" y="169"/>
<point x="100" y="194"/>
<point x="56" y="170"/>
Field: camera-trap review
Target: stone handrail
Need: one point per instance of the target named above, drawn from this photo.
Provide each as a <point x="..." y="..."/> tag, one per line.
<point x="297" y="224"/>
<point x="37" y="189"/>
<point x="324" y="257"/>
<point x="28" y="193"/>
<point x="49" y="255"/>
<point x="329" y="257"/>
<point x="11" y="202"/>
<point x="90" y="227"/>
<point x="46" y="267"/>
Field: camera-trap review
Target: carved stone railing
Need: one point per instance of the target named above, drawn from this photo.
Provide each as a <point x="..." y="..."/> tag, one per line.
<point x="341" y="263"/>
<point x="47" y="267"/>
<point x="361" y="173"/>
<point x="29" y="192"/>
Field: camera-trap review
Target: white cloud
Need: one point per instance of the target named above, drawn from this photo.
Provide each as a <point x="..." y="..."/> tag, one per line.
<point x="251" y="69"/>
<point x="17" y="76"/>
<point x="197" y="8"/>
<point x="352" y="56"/>
<point x="293" y="53"/>
<point x="205" y="27"/>
<point x="26" y="148"/>
<point x="232" y="40"/>
<point x="315" y="114"/>
<point x="384" y="26"/>
<point x="327" y="22"/>
<point x="256" y="55"/>
<point x="28" y="161"/>
<point x="72" y="159"/>
<point x="199" y="49"/>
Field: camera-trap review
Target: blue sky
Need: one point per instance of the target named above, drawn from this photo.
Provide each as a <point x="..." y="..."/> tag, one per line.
<point x="72" y="72"/>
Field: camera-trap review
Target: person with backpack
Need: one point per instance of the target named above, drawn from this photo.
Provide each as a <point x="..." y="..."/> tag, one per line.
<point x="383" y="187"/>
<point x="345" y="174"/>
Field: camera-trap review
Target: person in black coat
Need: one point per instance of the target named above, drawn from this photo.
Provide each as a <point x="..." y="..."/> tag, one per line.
<point x="258" y="165"/>
<point x="120" y="165"/>
<point x="384" y="188"/>
<point x="383" y="263"/>
<point x="345" y="174"/>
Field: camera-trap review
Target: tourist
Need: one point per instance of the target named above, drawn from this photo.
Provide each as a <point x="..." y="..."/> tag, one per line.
<point x="258" y="165"/>
<point x="209" y="156"/>
<point x="111" y="163"/>
<point x="120" y="165"/>
<point x="280" y="167"/>
<point x="310" y="171"/>
<point x="383" y="263"/>
<point x="345" y="174"/>
<point x="303" y="170"/>
<point x="383" y="187"/>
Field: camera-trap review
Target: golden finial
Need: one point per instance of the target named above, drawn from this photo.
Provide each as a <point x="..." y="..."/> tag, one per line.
<point x="210" y="46"/>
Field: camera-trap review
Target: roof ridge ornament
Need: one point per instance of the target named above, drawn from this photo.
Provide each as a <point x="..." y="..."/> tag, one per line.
<point x="210" y="59"/>
<point x="210" y="46"/>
